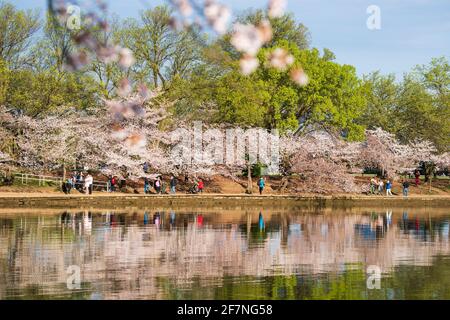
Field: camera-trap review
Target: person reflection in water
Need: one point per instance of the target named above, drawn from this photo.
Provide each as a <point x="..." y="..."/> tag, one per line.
<point x="157" y="219"/>
<point x="388" y="218"/>
<point x="200" y="220"/>
<point x="172" y="219"/>
<point x="261" y="222"/>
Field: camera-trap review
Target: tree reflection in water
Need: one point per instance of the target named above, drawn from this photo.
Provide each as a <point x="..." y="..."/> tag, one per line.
<point x="241" y="254"/>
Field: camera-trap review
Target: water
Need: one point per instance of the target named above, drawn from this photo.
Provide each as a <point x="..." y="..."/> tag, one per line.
<point x="213" y="253"/>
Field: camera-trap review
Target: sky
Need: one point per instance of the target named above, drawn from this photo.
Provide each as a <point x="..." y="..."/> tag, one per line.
<point x="412" y="31"/>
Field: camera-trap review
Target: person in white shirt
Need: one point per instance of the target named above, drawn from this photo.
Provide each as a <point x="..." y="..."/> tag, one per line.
<point x="88" y="184"/>
<point x="380" y="187"/>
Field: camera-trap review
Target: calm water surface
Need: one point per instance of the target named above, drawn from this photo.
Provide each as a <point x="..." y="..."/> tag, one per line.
<point x="225" y="254"/>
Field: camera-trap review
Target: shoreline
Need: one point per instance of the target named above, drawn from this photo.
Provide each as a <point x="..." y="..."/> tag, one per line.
<point x="119" y="200"/>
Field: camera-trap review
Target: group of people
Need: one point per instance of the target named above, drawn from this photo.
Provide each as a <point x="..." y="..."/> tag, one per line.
<point x="79" y="181"/>
<point x="160" y="187"/>
<point x="114" y="183"/>
<point x="377" y="186"/>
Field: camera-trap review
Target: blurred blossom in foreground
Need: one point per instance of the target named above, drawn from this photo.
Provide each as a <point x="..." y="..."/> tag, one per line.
<point x="276" y="8"/>
<point x="280" y="59"/>
<point x="184" y="6"/>
<point x="124" y="88"/>
<point x="121" y="110"/>
<point x="119" y="133"/>
<point x="76" y="61"/>
<point x="126" y="58"/>
<point x="248" y="64"/>
<point x="299" y="77"/>
<point x="265" y="31"/>
<point x="136" y="142"/>
<point x="246" y="38"/>
<point x="217" y="15"/>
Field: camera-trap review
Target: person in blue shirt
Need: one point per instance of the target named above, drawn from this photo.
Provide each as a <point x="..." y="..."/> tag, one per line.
<point x="146" y="186"/>
<point x="388" y="188"/>
<point x="261" y="185"/>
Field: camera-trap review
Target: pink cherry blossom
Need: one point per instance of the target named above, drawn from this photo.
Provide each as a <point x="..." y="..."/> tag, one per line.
<point x="248" y="64"/>
<point x="299" y="77"/>
<point x="246" y="38"/>
<point x="280" y="59"/>
<point x="217" y="16"/>
<point x="126" y="58"/>
<point x="276" y="8"/>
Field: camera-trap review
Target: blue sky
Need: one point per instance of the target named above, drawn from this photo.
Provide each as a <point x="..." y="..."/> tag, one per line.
<point x="412" y="31"/>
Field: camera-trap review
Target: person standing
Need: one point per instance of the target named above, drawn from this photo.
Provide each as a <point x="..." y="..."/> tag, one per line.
<point x="74" y="180"/>
<point x="113" y="183"/>
<point x="158" y="185"/>
<point x="375" y="186"/>
<point x="261" y="185"/>
<point x="372" y="185"/>
<point x="88" y="183"/>
<point x="200" y="186"/>
<point x="380" y="187"/>
<point x="405" y="188"/>
<point x="69" y="185"/>
<point x="173" y="184"/>
<point x="109" y="184"/>
<point x="388" y="188"/>
<point x="145" y="167"/>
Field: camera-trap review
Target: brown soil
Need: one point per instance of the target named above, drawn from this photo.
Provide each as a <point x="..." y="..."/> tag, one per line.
<point x="274" y="186"/>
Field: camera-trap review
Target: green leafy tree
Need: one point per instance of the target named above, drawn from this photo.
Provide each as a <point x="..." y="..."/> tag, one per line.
<point x="381" y="92"/>
<point x="39" y="93"/>
<point x="17" y="28"/>
<point x="4" y="81"/>
<point x="334" y="97"/>
<point x="161" y="52"/>
<point x="418" y="107"/>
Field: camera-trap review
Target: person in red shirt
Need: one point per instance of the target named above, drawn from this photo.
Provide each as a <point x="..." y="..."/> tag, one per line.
<point x="200" y="186"/>
<point x="417" y="175"/>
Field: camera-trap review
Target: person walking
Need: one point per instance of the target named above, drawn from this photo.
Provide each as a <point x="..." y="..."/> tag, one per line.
<point x="405" y="188"/>
<point x="173" y="184"/>
<point x="417" y="176"/>
<point x="261" y="185"/>
<point x="146" y="186"/>
<point x="388" y="188"/>
<point x="200" y="186"/>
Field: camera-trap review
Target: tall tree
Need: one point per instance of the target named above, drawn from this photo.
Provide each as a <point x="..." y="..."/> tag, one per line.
<point x="381" y="92"/>
<point x="56" y="44"/>
<point x="161" y="52"/>
<point x="284" y="28"/>
<point x="17" y="28"/>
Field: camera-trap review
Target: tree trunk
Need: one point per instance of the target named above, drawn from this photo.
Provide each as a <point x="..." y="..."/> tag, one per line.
<point x="249" y="178"/>
<point x="64" y="171"/>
